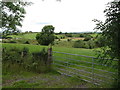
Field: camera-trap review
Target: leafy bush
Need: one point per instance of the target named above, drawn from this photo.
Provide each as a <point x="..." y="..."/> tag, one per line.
<point x="87" y="38"/>
<point x="91" y="44"/>
<point x="56" y="37"/>
<point x="27" y="42"/>
<point x="81" y="35"/>
<point x="84" y="44"/>
<point x="68" y="35"/>
<point x="100" y="41"/>
<point x="62" y="37"/>
<point x="79" y="44"/>
<point x="69" y="40"/>
<point x="21" y="58"/>
<point x="12" y="42"/>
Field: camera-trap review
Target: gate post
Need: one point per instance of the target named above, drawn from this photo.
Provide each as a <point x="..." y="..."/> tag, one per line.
<point x="93" y="70"/>
<point x="49" y="61"/>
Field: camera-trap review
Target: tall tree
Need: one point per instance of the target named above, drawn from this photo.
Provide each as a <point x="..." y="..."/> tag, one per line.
<point x="13" y="14"/>
<point x="111" y="32"/>
<point x="46" y="37"/>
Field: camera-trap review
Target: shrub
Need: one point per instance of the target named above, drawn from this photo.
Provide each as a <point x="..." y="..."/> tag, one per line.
<point x="39" y="61"/>
<point x="69" y="35"/>
<point x="62" y="37"/>
<point x="91" y="44"/>
<point x="82" y="35"/>
<point x="27" y="42"/>
<point x="79" y="44"/>
<point x="21" y="58"/>
<point x="12" y="42"/>
<point x="3" y="41"/>
<point x="69" y="40"/>
<point x="87" y="38"/>
<point x="84" y="44"/>
<point x="56" y="37"/>
<point x="100" y="41"/>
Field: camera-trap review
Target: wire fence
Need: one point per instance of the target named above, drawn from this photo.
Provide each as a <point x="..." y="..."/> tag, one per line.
<point x="87" y="68"/>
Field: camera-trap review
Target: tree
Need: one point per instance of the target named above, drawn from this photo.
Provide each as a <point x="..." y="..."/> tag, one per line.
<point x="12" y="16"/>
<point x="60" y="32"/>
<point x="46" y="37"/>
<point x="68" y="35"/>
<point x="100" y="41"/>
<point x="111" y="32"/>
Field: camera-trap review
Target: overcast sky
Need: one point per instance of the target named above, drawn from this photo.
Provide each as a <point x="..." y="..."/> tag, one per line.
<point x="65" y="16"/>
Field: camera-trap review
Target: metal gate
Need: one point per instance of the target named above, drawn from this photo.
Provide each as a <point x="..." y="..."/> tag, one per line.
<point x="84" y="67"/>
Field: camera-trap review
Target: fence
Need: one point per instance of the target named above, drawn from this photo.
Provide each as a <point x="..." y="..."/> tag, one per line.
<point x="83" y="67"/>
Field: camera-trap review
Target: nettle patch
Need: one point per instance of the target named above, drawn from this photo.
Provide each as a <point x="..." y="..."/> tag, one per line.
<point x="16" y="60"/>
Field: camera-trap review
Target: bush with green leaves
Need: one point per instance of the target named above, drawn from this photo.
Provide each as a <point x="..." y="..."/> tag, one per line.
<point x="87" y="38"/>
<point x="91" y="44"/>
<point x="69" y="40"/>
<point x="100" y="41"/>
<point x="27" y="42"/>
<point x="68" y="35"/>
<point x="84" y="44"/>
<point x="81" y="35"/>
<point x="79" y="44"/>
<point x="15" y="58"/>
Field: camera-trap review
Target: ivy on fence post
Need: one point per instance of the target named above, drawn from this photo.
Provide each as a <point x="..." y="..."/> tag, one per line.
<point x="49" y="61"/>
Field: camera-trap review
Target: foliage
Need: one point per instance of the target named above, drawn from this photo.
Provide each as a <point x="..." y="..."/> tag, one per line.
<point x="46" y="37"/>
<point x="60" y="32"/>
<point x="79" y="44"/>
<point x="10" y="21"/>
<point x="100" y="41"/>
<point x="87" y="37"/>
<point x="27" y="42"/>
<point x="68" y="35"/>
<point x="84" y="44"/>
<point x="31" y="62"/>
<point x="81" y="35"/>
<point x="56" y="37"/>
<point x="91" y="44"/>
<point x="111" y="32"/>
<point x="69" y="40"/>
<point x="12" y="41"/>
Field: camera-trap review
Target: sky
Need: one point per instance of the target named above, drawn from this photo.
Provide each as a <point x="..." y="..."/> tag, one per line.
<point x="64" y="15"/>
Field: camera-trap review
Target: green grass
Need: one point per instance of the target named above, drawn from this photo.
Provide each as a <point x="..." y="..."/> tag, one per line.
<point x="24" y="36"/>
<point x="35" y="48"/>
<point x="44" y="80"/>
<point x="32" y="48"/>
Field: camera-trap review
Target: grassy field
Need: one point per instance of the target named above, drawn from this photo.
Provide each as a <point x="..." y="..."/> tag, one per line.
<point x="43" y="80"/>
<point x="35" y="48"/>
<point x="24" y="36"/>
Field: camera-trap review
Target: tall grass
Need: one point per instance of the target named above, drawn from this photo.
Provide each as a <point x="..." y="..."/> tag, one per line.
<point x="16" y="59"/>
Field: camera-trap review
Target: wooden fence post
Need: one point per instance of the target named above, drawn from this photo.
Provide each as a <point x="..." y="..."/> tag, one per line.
<point x="49" y="61"/>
